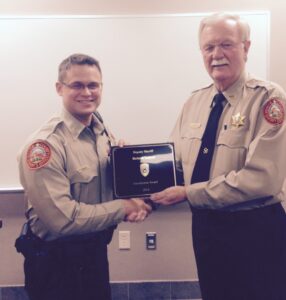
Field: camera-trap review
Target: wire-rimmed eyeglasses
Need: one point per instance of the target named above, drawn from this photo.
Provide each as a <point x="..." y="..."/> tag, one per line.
<point x="79" y="86"/>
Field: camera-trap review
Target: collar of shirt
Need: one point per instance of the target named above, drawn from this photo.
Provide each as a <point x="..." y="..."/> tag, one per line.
<point x="214" y="92"/>
<point x="235" y="91"/>
<point x="98" y="126"/>
<point x="76" y="127"/>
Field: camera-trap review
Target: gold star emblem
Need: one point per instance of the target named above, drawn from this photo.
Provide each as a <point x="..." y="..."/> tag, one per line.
<point x="237" y="120"/>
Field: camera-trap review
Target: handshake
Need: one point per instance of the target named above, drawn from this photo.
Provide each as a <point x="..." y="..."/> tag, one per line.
<point x="138" y="209"/>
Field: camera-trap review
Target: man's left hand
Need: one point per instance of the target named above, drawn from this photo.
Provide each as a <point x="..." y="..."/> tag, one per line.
<point x="171" y="195"/>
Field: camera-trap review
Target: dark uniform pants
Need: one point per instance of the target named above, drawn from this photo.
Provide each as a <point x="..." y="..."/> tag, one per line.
<point x="241" y="255"/>
<point x="71" y="270"/>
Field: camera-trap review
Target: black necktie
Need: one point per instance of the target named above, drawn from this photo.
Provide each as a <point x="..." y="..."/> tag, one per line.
<point x="202" y="167"/>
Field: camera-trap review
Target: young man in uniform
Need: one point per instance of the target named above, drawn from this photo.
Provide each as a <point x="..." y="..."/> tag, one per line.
<point x="65" y="171"/>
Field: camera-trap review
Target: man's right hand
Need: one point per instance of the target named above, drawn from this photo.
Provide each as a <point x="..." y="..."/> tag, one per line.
<point x="136" y="210"/>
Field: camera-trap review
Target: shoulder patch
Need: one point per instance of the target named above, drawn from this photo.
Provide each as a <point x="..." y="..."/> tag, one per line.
<point x="273" y="111"/>
<point x="38" y="155"/>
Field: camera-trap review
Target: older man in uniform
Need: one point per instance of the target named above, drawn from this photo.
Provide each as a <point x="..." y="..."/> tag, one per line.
<point x="65" y="171"/>
<point x="230" y="142"/>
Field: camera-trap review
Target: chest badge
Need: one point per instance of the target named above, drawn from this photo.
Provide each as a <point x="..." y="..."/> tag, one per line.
<point x="237" y="120"/>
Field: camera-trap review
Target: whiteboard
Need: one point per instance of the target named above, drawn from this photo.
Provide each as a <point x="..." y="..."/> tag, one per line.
<point x="150" y="65"/>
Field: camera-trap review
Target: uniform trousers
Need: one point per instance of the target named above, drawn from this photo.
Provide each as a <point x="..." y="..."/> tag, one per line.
<point x="241" y="255"/>
<point x="69" y="270"/>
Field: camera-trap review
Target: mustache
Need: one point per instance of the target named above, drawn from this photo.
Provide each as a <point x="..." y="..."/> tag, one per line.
<point x="219" y="62"/>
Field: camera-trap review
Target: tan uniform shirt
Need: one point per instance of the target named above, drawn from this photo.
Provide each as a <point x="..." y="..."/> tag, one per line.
<point x="249" y="166"/>
<point x="70" y="191"/>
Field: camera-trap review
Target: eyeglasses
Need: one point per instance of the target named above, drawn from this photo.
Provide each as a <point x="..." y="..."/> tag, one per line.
<point x="79" y="86"/>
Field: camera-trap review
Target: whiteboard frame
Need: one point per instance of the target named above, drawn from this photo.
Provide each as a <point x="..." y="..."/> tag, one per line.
<point x="17" y="189"/>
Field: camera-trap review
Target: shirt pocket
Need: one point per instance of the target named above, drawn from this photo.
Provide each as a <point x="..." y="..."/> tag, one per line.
<point x="190" y="144"/>
<point x="81" y="180"/>
<point x="233" y="138"/>
<point x="232" y="148"/>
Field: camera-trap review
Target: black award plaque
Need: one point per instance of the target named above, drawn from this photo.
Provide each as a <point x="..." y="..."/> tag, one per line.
<point x="140" y="170"/>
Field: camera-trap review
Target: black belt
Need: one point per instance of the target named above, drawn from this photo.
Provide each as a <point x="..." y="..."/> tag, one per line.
<point x="259" y="212"/>
<point x="30" y="244"/>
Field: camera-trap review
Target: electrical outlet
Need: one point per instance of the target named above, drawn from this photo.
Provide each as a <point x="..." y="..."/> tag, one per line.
<point x="151" y="240"/>
<point x="124" y="240"/>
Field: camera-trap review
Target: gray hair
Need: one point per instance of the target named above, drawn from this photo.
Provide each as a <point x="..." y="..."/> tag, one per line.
<point x="218" y="17"/>
<point x="76" y="59"/>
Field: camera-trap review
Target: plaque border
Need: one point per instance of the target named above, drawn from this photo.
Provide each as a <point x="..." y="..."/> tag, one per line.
<point x="114" y="148"/>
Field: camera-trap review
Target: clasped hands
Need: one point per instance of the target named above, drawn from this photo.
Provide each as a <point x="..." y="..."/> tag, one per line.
<point x="137" y="210"/>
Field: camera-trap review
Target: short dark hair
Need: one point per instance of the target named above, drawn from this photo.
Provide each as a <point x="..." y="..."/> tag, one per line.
<point x="76" y="59"/>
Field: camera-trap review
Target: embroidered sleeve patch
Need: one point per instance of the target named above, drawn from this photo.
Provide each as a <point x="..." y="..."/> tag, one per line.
<point x="38" y="155"/>
<point x="273" y="111"/>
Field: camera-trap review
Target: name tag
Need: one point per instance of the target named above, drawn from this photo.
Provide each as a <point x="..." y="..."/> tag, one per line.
<point x="195" y="125"/>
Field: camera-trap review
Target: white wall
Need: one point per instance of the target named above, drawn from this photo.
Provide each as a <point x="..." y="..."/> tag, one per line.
<point x="150" y="65"/>
<point x="278" y="20"/>
<point x="174" y="257"/>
